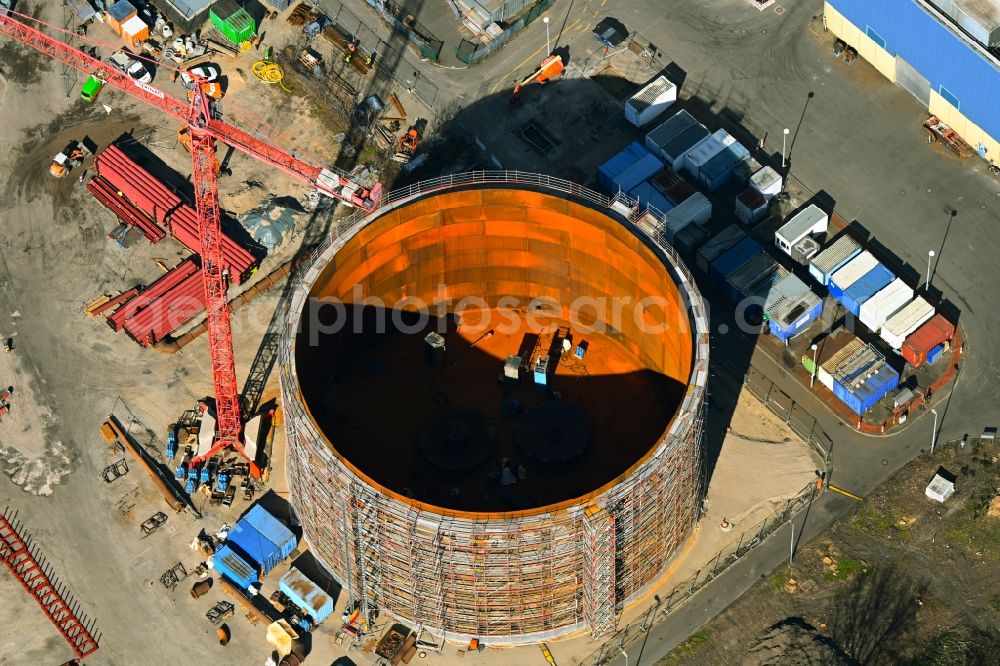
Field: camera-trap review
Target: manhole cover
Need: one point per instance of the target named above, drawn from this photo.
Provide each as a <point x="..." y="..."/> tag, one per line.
<point x="763" y="31"/>
<point x="929" y="190"/>
<point x="723" y="329"/>
<point x="779" y="10"/>
<point x="884" y="461"/>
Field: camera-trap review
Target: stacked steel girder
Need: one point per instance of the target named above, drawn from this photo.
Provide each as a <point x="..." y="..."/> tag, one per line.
<point x="521" y="576"/>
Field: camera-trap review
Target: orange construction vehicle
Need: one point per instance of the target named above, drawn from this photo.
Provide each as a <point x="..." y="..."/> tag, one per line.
<point x="550" y="68"/>
<point x="408" y="144"/>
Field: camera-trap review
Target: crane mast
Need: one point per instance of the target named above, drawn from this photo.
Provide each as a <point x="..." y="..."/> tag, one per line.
<point x="205" y="130"/>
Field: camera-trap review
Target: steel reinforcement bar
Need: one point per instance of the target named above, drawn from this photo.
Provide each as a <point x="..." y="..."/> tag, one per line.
<point x="37" y="579"/>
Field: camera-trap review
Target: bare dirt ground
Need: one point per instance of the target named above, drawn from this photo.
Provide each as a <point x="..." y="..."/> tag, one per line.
<point x="903" y="580"/>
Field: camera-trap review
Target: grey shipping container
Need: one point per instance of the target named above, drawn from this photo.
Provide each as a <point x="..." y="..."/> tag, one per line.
<point x="717" y="245"/>
<point x="674" y="152"/>
<point x="669" y="130"/>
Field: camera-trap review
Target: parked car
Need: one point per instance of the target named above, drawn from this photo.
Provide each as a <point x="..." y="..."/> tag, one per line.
<point x="611" y="32"/>
<point x="207" y="73"/>
<point x="91" y="87"/>
<point x="125" y="61"/>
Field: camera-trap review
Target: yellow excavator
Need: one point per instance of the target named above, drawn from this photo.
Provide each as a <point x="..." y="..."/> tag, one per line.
<point x="70" y="158"/>
<point x="549" y="69"/>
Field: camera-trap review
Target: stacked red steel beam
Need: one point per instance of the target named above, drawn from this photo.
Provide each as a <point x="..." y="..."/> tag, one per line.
<point x="156" y="320"/>
<point x="165" y="207"/>
<point x="108" y="196"/>
<point x="153" y="292"/>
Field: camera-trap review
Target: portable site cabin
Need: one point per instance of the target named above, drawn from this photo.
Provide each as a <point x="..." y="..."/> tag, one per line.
<point x="906" y="321"/>
<point x="643" y="107"/>
<point x="702" y="153"/>
<point x="667" y="131"/>
<point x="810" y="221"/>
<point x="833" y="258"/>
<point x="865" y="288"/>
<point x="850" y="273"/>
<point x="885" y="303"/>
<point x="791" y="307"/>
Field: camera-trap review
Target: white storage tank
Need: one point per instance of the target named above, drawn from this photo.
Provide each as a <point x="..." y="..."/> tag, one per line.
<point x="767" y="182"/>
<point x="899" y="326"/>
<point x="884" y="304"/>
<point x="655" y="98"/>
<point x="810" y="221"/>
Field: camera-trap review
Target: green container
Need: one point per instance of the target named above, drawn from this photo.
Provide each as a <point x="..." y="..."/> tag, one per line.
<point x="808" y="364"/>
<point x="232" y="21"/>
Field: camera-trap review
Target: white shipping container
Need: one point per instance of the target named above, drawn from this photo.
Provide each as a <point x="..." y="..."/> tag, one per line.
<point x="651" y="101"/>
<point x="824" y="264"/>
<point x="695" y="209"/>
<point x="824" y="377"/>
<point x="709" y="147"/>
<point x="884" y="304"/>
<point x="767" y="181"/>
<point x="854" y="270"/>
<point x="812" y="220"/>
<point x="899" y="326"/>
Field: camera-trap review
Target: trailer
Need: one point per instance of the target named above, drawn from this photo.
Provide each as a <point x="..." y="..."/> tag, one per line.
<point x="810" y="221"/>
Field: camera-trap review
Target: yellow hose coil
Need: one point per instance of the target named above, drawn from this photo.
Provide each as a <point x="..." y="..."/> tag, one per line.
<point x="269" y="72"/>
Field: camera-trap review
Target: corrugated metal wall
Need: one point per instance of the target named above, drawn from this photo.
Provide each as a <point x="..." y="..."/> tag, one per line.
<point x="909" y="32"/>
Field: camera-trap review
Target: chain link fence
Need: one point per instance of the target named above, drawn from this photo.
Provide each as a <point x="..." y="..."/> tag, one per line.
<point x="419" y="36"/>
<point x="474" y="52"/>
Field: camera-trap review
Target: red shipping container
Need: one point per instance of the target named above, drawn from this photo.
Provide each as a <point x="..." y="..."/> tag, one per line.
<point x="927" y="337"/>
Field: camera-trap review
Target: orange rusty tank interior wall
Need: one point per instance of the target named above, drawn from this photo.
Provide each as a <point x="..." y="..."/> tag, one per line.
<point x="514" y="243"/>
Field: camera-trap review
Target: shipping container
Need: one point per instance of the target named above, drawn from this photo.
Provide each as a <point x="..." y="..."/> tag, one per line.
<point x="832" y="350"/>
<point x="643" y="169"/>
<point x="751" y="206"/>
<point x="673" y="186"/>
<point x="235" y="566"/>
<point x="718" y="171"/>
<point x="924" y="339"/>
<point x="117" y="14"/>
<point x="607" y="172"/>
<point x="745" y="280"/>
<point x="135" y="31"/>
<point x="689" y="239"/>
<point x="657" y="138"/>
<point x="767" y="181"/>
<point x="887" y="302"/>
<point x="261" y="550"/>
<point x="743" y="171"/>
<point x="733" y="258"/>
<point x="906" y="321"/>
<point x="655" y="98"/>
<point x="934" y="354"/>
<point x="234" y="22"/>
<point x="853" y="360"/>
<point x="791" y="316"/>
<point x="695" y="210"/>
<point x="650" y="198"/>
<point x="870" y="284"/>
<point x="865" y="391"/>
<point x="674" y="152"/>
<point x="850" y="273"/>
<point x="307" y="595"/>
<point x="272" y="528"/>
<point x="709" y="147"/>
<point x="717" y="245"/>
<point x="806" y="222"/>
<point x="833" y="258"/>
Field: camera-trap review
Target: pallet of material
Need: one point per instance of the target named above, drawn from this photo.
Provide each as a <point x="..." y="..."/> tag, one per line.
<point x="165" y="207"/>
<point x="166" y="313"/>
<point x="108" y="197"/>
<point x="151" y="293"/>
<point x="111" y="302"/>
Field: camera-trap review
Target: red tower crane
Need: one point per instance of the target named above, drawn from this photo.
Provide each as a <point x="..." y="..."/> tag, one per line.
<point x="205" y="129"/>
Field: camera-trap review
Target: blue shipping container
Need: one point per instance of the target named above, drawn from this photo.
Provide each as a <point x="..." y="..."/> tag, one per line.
<point x="644" y="168"/>
<point x="934" y="354"/>
<point x="273" y="529"/>
<point x="235" y="566"/>
<point x="607" y="172"/>
<point x="801" y="323"/>
<point x="733" y="258"/>
<point x="873" y="282"/>
<point x="866" y="394"/>
<point x="259" y="548"/>
<point x="307" y="595"/>
<point x="647" y="196"/>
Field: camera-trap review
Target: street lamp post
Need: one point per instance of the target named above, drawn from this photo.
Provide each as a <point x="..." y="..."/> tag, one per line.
<point x="812" y="380"/>
<point x="548" y="48"/>
<point x="784" y="138"/>
<point x="934" y="432"/>
<point x="626" y="656"/>
<point x="791" y="545"/>
<point x="930" y="255"/>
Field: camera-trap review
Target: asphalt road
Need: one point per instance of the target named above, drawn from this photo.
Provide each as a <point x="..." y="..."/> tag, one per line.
<point x="858" y="138"/>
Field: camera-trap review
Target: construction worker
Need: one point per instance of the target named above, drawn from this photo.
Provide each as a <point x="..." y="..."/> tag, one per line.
<point x="352" y="48"/>
<point x="370" y="58"/>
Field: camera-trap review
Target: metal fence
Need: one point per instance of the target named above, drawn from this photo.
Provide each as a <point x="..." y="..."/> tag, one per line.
<point x="396" y="15"/>
<point x="709" y="571"/>
<point x="793" y="414"/>
<point x="474" y="52"/>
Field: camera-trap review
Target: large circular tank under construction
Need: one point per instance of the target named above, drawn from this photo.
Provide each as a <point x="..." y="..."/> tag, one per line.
<point x="493" y="397"/>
